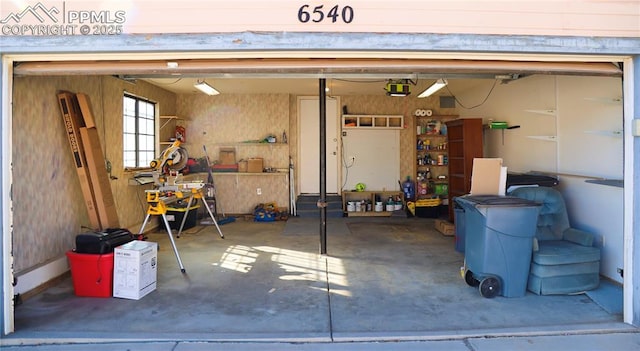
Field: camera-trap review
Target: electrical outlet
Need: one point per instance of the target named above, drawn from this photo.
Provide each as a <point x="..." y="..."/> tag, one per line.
<point x="259" y="191"/>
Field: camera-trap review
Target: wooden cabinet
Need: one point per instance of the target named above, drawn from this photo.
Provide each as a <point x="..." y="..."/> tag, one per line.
<point x="464" y="143"/>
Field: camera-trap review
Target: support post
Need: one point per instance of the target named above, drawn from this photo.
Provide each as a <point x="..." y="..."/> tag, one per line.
<point x="323" y="166"/>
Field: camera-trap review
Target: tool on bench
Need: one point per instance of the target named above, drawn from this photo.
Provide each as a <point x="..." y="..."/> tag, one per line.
<point x="168" y="190"/>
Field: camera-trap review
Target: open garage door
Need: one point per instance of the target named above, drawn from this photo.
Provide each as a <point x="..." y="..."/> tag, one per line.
<point x="309" y="68"/>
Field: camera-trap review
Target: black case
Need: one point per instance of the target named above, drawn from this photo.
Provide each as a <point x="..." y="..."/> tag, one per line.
<point x="102" y="242"/>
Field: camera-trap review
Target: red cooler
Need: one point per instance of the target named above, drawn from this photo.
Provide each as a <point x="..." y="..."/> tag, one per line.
<point x="92" y="274"/>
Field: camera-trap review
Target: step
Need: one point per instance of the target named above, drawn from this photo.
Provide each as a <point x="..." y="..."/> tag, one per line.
<point x="314" y="205"/>
<point x="310" y="202"/>
<point x="315" y="213"/>
<point x="314" y="198"/>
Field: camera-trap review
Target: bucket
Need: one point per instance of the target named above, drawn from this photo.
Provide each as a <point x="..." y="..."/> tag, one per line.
<point x="351" y="206"/>
<point x="379" y="207"/>
<point x="390" y="207"/>
<point x="358" y="207"/>
<point x="92" y="274"/>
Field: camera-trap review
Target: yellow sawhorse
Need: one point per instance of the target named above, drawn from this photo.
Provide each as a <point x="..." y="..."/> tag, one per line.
<point x="158" y="201"/>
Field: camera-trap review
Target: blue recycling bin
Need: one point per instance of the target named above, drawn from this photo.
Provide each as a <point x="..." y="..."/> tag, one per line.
<point x="499" y="233"/>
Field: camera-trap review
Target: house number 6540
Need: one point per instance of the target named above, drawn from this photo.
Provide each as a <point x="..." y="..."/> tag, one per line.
<point x="318" y="14"/>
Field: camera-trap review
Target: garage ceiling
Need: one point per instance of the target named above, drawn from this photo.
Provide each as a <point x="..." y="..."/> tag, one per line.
<point x="305" y="86"/>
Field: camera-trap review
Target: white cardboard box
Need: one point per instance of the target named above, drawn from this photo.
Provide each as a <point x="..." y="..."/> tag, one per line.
<point x="135" y="269"/>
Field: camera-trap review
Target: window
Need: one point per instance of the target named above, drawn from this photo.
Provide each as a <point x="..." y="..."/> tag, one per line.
<point x="139" y="131"/>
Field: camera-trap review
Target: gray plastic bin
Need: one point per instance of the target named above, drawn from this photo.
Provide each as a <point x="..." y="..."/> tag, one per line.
<point x="499" y="233"/>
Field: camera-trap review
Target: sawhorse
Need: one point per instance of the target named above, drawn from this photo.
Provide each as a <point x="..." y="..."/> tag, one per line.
<point x="197" y="195"/>
<point x="158" y="207"/>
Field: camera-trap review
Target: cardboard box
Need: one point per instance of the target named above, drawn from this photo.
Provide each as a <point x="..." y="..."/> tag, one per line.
<point x="242" y="166"/>
<point x="488" y="177"/>
<point x="104" y="200"/>
<point x="227" y="156"/>
<point x="255" y="165"/>
<point x="135" y="269"/>
<point x="445" y="227"/>
<point x="72" y="118"/>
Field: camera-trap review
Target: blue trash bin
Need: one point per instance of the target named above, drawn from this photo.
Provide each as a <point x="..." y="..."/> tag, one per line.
<point x="458" y="215"/>
<point x="499" y="233"/>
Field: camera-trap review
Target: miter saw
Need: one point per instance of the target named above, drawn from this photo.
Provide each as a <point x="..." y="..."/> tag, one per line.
<point x="171" y="160"/>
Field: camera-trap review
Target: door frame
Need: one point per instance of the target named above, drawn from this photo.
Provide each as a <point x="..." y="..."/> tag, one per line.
<point x="298" y="157"/>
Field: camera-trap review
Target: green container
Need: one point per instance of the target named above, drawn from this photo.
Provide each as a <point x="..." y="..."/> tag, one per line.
<point x="441" y="189"/>
<point x="498" y="125"/>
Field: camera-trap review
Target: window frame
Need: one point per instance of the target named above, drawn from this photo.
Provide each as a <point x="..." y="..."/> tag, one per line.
<point x="142" y="133"/>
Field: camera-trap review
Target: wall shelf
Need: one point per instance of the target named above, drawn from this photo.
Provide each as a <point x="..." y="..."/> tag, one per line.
<point x="605" y="100"/>
<point x="166" y="119"/>
<point x="543" y="137"/>
<point x="373" y="121"/>
<point x="167" y="134"/>
<point x="170" y="142"/>
<point x="618" y="183"/>
<point x="548" y="112"/>
<point x="430" y="145"/>
<point x="262" y="174"/>
<point x="369" y="196"/>
<point x="246" y="143"/>
<point x="609" y="133"/>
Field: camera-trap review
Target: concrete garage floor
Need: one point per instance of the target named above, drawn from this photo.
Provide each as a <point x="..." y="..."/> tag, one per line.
<point x="383" y="279"/>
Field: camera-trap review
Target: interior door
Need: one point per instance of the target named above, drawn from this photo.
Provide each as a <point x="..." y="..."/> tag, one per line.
<point x="309" y="137"/>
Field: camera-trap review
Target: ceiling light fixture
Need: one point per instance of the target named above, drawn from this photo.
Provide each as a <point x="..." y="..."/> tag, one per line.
<point x="206" y="88"/>
<point x="439" y="84"/>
